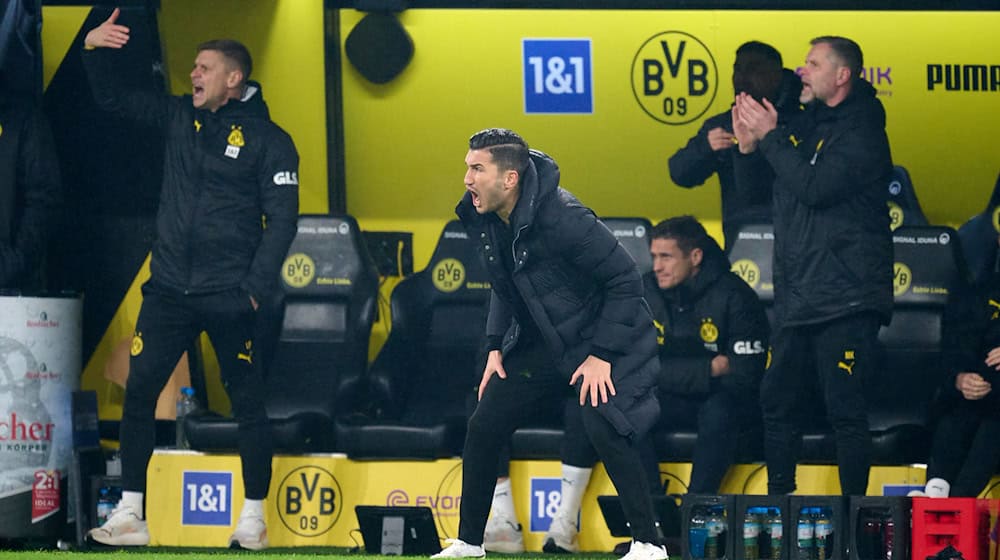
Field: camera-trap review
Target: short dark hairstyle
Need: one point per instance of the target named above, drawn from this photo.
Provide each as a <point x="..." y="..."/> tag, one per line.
<point x="685" y="230"/>
<point x="763" y="49"/>
<point x="846" y="50"/>
<point x="234" y="51"/>
<point x="508" y="149"/>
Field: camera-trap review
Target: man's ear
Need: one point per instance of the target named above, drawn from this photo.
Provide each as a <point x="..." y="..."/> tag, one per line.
<point x="234" y="78"/>
<point x="843" y="75"/>
<point x="510" y="178"/>
<point x="696" y="256"/>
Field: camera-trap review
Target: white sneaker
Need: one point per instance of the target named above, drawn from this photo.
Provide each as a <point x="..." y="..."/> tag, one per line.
<point x="916" y="494"/>
<point x="457" y="548"/>
<point x="645" y="551"/>
<point x="937" y="488"/>
<point x="503" y="535"/>
<point x="250" y="534"/>
<point x="562" y="537"/>
<point x="123" y="528"/>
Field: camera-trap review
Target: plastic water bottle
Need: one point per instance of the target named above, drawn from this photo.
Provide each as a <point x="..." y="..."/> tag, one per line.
<point x="889" y="536"/>
<point x="805" y="535"/>
<point x="105" y="505"/>
<point x="697" y="535"/>
<point x="823" y="534"/>
<point x="715" y="545"/>
<point x="185" y="406"/>
<point x="774" y="533"/>
<point x="751" y="534"/>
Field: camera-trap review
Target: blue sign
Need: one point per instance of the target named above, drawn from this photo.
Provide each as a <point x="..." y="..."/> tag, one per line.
<point x="208" y="498"/>
<point x="899" y="489"/>
<point x="558" y="76"/>
<point x="546" y="493"/>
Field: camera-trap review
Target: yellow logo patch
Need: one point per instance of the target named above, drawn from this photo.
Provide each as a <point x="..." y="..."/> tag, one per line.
<point x="896" y="215"/>
<point x="847" y="364"/>
<point x="136" y="348"/>
<point x="996" y="309"/>
<point x="748" y="271"/>
<point x="197" y="126"/>
<point x="448" y="275"/>
<point x="708" y="331"/>
<point x="248" y="355"/>
<point x="659" y="332"/>
<point x="901" y="279"/>
<point x="298" y="270"/>
<point x="236" y="136"/>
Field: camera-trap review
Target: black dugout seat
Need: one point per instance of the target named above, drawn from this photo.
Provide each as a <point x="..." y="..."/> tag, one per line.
<point x="542" y="439"/>
<point x="424" y="377"/>
<point x="319" y="358"/>
<point x="979" y="238"/>
<point x="928" y="266"/>
<point x="904" y="207"/>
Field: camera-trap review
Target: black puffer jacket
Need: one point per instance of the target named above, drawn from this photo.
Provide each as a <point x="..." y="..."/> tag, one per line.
<point x="580" y="286"/>
<point x="229" y="201"/>
<point x="832" y="243"/>
<point x="750" y="202"/>
<point x="712" y="313"/>
<point x="971" y="330"/>
<point x="30" y="191"/>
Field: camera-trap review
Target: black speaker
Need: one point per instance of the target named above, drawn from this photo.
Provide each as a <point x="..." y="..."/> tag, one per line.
<point x="379" y="48"/>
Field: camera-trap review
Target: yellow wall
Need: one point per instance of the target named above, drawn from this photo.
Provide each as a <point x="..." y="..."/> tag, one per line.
<point x="405" y="140"/>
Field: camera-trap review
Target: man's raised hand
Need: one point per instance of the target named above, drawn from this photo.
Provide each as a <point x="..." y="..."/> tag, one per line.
<point x="108" y="34"/>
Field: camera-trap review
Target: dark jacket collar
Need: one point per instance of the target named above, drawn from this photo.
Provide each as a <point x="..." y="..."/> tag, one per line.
<point x="251" y="105"/>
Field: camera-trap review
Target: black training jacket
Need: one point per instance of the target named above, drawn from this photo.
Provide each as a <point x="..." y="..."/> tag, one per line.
<point x="580" y="286"/>
<point x="712" y="313"/>
<point x="229" y="202"/>
<point x="30" y="191"/>
<point x="832" y="244"/>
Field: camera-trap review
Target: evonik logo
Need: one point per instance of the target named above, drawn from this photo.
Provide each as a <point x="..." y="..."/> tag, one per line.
<point x="286" y="178"/>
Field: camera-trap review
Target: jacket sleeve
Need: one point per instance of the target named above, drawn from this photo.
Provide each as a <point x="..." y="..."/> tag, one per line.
<point x="964" y="324"/>
<point x="277" y="181"/>
<point x="497" y="322"/>
<point x="145" y="106"/>
<point x="693" y="164"/>
<point x="747" y="341"/>
<point x="592" y="249"/>
<point x="823" y="175"/>
<point x="38" y="182"/>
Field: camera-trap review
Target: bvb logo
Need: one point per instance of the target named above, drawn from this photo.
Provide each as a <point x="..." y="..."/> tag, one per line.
<point x="895" y="215"/>
<point x="309" y="501"/>
<point x="298" y="270"/>
<point x="136" y="348"/>
<point x="996" y="219"/>
<point x="901" y="279"/>
<point x="709" y="332"/>
<point x="674" y="77"/>
<point x="449" y="275"/>
<point x="748" y="271"/>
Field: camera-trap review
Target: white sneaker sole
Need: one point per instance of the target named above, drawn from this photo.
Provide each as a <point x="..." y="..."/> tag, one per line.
<point x="504" y="547"/>
<point x="128" y="539"/>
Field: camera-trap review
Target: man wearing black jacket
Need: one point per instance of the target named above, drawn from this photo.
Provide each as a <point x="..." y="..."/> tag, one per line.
<point x="832" y="254"/>
<point x="228" y="212"/>
<point x="566" y="307"/>
<point x="30" y="191"/>
<point x="757" y="71"/>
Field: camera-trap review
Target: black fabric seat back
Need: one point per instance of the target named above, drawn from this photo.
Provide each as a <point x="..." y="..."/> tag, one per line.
<point x="331" y="287"/>
<point x="751" y="256"/>
<point x="904" y="207"/>
<point x="633" y="234"/>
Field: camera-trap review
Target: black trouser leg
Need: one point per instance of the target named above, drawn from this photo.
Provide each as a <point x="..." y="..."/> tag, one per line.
<point x="230" y="324"/>
<point x="716" y="446"/>
<point x="846" y="356"/>
<point x="781" y="389"/>
<point x="965" y="451"/>
<point x="506" y="404"/>
<point x="164" y="330"/>
<point x="621" y="460"/>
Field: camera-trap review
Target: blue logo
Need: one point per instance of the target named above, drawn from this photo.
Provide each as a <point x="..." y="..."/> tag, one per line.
<point x="208" y="498"/>
<point x="899" y="489"/>
<point x="546" y="493"/>
<point x="558" y="76"/>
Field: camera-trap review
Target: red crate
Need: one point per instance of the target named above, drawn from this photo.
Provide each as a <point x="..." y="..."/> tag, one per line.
<point x="963" y="523"/>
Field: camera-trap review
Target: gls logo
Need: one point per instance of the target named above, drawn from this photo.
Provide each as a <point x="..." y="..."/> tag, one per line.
<point x="286" y="178"/>
<point x="748" y="347"/>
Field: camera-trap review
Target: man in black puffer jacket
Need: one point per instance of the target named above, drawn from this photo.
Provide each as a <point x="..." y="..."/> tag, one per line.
<point x="832" y="254"/>
<point x="566" y="307"/>
<point x="228" y="212"/>
<point x="757" y="71"/>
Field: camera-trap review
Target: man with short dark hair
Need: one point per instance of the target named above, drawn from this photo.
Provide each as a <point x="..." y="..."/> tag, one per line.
<point x="566" y="306"/>
<point x="832" y="254"/>
<point x="228" y="212"/>
<point x="758" y="72"/>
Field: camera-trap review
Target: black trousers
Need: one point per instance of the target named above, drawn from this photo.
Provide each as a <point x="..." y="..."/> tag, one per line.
<point x="512" y="402"/>
<point x="966" y="448"/>
<point x="167" y="324"/>
<point x="842" y="353"/>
